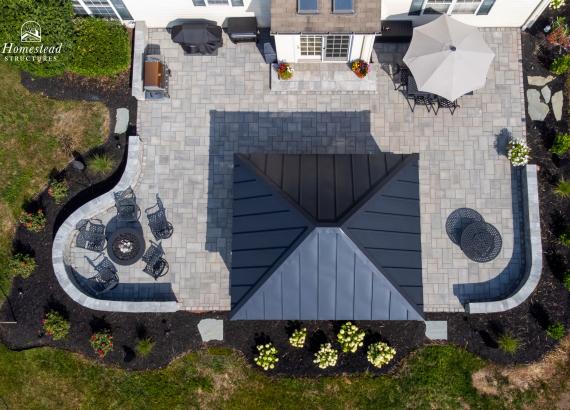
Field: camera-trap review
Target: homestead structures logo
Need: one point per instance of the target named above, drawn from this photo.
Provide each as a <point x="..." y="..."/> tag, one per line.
<point x="31" y="47"/>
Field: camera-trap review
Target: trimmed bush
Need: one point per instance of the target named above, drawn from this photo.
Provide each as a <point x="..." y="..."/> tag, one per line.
<point x="561" y="144"/>
<point x="509" y="344"/>
<point x="101" y="48"/>
<point x="267" y="358"/>
<point x="556" y="331"/>
<point x="518" y="152"/>
<point x="58" y="190"/>
<point x="33" y="222"/>
<point x="564" y="238"/>
<point x="350" y="337"/>
<point x="100" y="164"/>
<point x="144" y="347"/>
<point x="380" y="354"/>
<point x="563" y="188"/>
<point x="560" y="65"/>
<point x="298" y="338"/>
<point x="22" y="265"/>
<point x="55" y="325"/>
<point x="102" y="343"/>
<point x="326" y="356"/>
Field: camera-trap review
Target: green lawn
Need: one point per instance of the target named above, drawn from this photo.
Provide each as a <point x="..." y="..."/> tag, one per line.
<point x="435" y="377"/>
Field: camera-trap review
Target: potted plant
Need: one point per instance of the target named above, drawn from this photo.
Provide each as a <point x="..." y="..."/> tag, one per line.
<point x="285" y="71"/>
<point x="360" y="68"/>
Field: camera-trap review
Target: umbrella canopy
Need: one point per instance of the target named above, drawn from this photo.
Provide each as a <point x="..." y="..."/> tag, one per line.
<point x="448" y="58"/>
<point x="198" y="37"/>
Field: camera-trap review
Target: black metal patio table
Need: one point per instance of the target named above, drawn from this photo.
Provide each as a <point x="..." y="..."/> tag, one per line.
<point x="481" y="242"/>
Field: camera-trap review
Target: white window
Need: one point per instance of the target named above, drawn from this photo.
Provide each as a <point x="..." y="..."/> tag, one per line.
<point x="336" y="48"/>
<point x="311" y="46"/>
<point x="111" y="9"/>
<point x="451" y="6"/>
<point x="327" y="48"/>
<point x="202" y="3"/>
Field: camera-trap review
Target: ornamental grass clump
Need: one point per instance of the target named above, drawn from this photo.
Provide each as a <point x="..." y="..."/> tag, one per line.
<point x="518" y="152"/>
<point x="21" y="265"/>
<point x="380" y="354"/>
<point x="33" y="221"/>
<point x="561" y="144"/>
<point x="560" y="65"/>
<point x="100" y="164"/>
<point x="556" y="331"/>
<point x="326" y="356"/>
<point x="58" y="190"/>
<point x="102" y="343"/>
<point x="509" y="344"/>
<point x="267" y="358"/>
<point x="55" y="325"/>
<point x="563" y="188"/>
<point x="350" y="337"/>
<point x="298" y="338"/>
<point x="144" y="346"/>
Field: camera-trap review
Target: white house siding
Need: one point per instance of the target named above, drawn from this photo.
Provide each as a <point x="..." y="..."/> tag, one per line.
<point x="161" y="13"/>
<point x="286" y="47"/>
<point x="505" y="13"/>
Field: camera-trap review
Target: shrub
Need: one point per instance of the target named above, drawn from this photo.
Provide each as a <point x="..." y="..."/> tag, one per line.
<point x="380" y="354"/>
<point x="267" y="358"/>
<point x="566" y="280"/>
<point x="58" y="190"/>
<point x="560" y="65"/>
<point x="326" y="356"/>
<point x="563" y="188"/>
<point x="34" y="222"/>
<point x="285" y="71"/>
<point x="556" y="4"/>
<point x="561" y="144"/>
<point x="518" y="152"/>
<point x="55" y="325"/>
<point x="509" y="344"/>
<point x="101" y="47"/>
<point x="556" y="331"/>
<point x="564" y="238"/>
<point x="102" y="343"/>
<point x="559" y="35"/>
<point x="298" y="337"/>
<point x="350" y="337"/>
<point x="144" y="346"/>
<point x="22" y="265"/>
<point x="100" y="164"/>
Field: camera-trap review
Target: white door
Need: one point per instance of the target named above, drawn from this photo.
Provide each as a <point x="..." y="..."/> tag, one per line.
<point x="324" y="48"/>
<point x="311" y="47"/>
<point x="337" y="47"/>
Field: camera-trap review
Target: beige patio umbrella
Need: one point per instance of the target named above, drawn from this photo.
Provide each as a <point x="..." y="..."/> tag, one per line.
<point x="448" y="58"/>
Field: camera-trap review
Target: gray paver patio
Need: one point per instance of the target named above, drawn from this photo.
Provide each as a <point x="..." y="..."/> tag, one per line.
<point x="222" y="105"/>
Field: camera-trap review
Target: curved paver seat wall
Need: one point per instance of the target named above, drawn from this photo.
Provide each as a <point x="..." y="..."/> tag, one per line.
<point x="533" y="249"/>
<point x="90" y="209"/>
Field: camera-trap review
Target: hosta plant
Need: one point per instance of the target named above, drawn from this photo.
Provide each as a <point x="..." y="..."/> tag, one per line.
<point x="556" y="331"/>
<point x="326" y="356"/>
<point x="563" y="188"/>
<point x="58" y="190"/>
<point x="561" y="144"/>
<point x="55" y="325"/>
<point x="298" y="337"/>
<point x="518" y="152"/>
<point x="380" y="354"/>
<point x="267" y="357"/>
<point x="22" y="265"/>
<point x="33" y="221"/>
<point x="350" y="337"/>
<point x="102" y="343"/>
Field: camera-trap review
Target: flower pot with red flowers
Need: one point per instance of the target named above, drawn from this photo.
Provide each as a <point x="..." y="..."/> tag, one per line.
<point x="285" y="71"/>
<point x="360" y="68"/>
<point x="102" y="343"/>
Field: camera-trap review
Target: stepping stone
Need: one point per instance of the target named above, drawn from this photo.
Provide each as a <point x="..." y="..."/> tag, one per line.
<point x="539" y="81"/>
<point x="211" y="329"/>
<point x="557" y="102"/>
<point x="122" y="122"/>
<point x="546" y="93"/>
<point x="537" y="110"/>
<point x="436" y="329"/>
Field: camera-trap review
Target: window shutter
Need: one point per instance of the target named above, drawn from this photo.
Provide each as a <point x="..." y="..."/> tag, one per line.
<point x="416" y="7"/>
<point x="199" y="2"/>
<point x="486" y="7"/>
<point x="237" y="3"/>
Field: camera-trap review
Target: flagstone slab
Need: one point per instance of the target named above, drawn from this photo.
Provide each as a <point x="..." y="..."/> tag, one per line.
<point x="539" y="81"/>
<point x="211" y="329"/>
<point x="557" y="103"/>
<point x="546" y="93"/>
<point x="537" y="110"/>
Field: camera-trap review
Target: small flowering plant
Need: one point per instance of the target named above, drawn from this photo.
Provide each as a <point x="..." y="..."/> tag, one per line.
<point x="326" y="356"/>
<point x="58" y="190"/>
<point x="518" y="152"/>
<point x="267" y="358"/>
<point x="350" y="337"/>
<point x="20" y="264"/>
<point x="102" y="343"/>
<point x="298" y="338"/>
<point x="285" y="71"/>
<point x="380" y="354"/>
<point x="55" y="325"/>
<point x="360" y="68"/>
<point x="556" y="4"/>
<point x="34" y="222"/>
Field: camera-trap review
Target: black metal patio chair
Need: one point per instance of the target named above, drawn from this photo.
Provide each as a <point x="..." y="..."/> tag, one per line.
<point x="156" y="265"/>
<point x="159" y="225"/>
<point x="445" y="103"/>
<point x="106" y="278"/>
<point x="425" y="100"/>
<point x="126" y="204"/>
<point x="91" y="235"/>
<point x="401" y="83"/>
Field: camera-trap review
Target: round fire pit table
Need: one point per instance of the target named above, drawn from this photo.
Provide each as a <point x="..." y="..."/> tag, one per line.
<point x="126" y="245"/>
<point x="481" y="242"/>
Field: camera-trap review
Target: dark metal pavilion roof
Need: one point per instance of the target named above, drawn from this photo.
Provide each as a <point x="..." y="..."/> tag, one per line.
<point x="326" y="237"/>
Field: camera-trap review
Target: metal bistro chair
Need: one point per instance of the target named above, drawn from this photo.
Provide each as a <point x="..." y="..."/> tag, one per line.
<point x="444" y="103"/>
<point x="403" y="75"/>
<point x="106" y="277"/>
<point x="425" y="100"/>
<point x="91" y="235"/>
<point x="159" y="225"/>
<point x="126" y="204"/>
<point x="156" y="265"/>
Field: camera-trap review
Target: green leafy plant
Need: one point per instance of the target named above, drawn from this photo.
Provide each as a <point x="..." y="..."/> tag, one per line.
<point x="509" y="344"/>
<point x="518" y="152"/>
<point x="561" y="144"/>
<point x="564" y="238"/>
<point x="566" y="280"/>
<point x="560" y="65"/>
<point x="350" y="337"/>
<point x="298" y="337"/>
<point x="380" y="354"/>
<point x="58" y="190"/>
<point x="55" y="325"/>
<point x="556" y="4"/>
<point x="267" y="357"/>
<point x="33" y="221"/>
<point x="144" y="346"/>
<point x="556" y="331"/>
<point x="100" y="164"/>
<point x="102" y="343"/>
<point x="326" y="356"/>
<point x="563" y="188"/>
<point x="20" y="264"/>
<point x="101" y="47"/>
